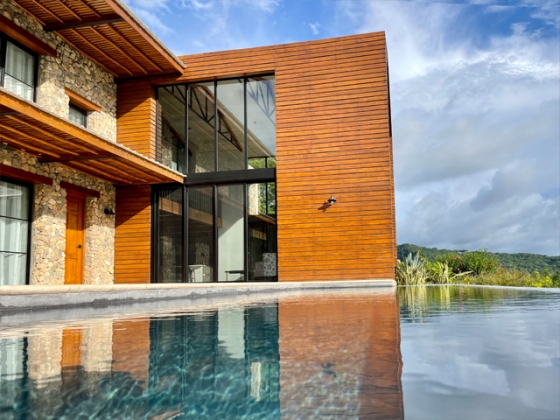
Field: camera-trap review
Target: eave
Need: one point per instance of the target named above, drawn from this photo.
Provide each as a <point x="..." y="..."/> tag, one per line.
<point x="27" y="127"/>
<point x="108" y="33"/>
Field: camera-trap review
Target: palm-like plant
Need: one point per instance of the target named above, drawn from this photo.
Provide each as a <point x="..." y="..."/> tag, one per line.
<point x="411" y="271"/>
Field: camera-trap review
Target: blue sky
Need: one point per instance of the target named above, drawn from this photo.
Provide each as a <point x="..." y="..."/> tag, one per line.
<point x="475" y="98"/>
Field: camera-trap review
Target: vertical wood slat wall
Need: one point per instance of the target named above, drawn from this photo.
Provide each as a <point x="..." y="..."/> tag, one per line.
<point x="333" y="138"/>
<point x="133" y="234"/>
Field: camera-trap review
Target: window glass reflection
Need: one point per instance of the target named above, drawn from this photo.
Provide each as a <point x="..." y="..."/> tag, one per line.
<point x="201" y="127"/>
<point x="231" y="135"/>
<point x="261" y="210"/>
<point x="200" y="234"/>
<point x="172" y="122"/>
<point x="261" y="121"/>
<point x="170" y="238"/>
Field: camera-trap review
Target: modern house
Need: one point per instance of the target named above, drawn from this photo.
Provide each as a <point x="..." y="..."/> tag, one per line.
<point x="122" y="163"/>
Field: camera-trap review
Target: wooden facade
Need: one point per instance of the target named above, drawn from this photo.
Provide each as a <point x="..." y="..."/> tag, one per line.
<point x="333" y="138"/>
<point x="133" y="221"/>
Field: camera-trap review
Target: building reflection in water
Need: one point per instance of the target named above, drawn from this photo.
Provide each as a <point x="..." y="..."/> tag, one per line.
<point x="333" y="355"/>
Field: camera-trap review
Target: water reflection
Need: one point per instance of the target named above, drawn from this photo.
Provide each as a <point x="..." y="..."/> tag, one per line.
<point x="480" y="353"/>
<point x="334" y="355"/>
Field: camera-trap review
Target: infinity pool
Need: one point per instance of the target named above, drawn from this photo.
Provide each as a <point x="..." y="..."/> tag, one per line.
<point x="420" y="353"/>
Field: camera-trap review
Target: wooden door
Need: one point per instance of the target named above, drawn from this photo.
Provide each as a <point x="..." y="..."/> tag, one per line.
<point x="74" y="271"/>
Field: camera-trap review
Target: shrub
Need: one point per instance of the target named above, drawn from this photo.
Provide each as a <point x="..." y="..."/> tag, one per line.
<point x="503" y="277"/>
<point x="411" y="271"/>
<point x="477" y="262"/>
<point x="439" y="273"/>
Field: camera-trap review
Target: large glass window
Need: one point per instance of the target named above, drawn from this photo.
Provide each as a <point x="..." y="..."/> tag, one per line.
<point x="172" y="123"/>
<point x="231" y="264"/>
<point x="17" y="68"/>
<point x="201" y="128"/>
<point x="200" y="231"/>
<point x="231" y="125"/>
<point x="169" y="235"/>
<point x="261" y="209"/>
<point x="261" y="122"/>
<point x="15" y="213"/>
<point x="227" y="232"/>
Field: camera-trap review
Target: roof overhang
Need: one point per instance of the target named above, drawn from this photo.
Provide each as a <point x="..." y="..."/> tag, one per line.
<point x="27" y="127"/>
<point x="108" y="33"/>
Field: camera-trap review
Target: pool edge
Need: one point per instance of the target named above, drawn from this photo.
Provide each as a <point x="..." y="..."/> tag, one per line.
<point x="24" y="298"/>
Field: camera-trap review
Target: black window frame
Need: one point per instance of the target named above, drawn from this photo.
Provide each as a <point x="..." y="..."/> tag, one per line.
<point x="215" y="81"/>
<point x="30" y="220"/>
<point x="3" y="52"/>
<point x="82" y="111"/>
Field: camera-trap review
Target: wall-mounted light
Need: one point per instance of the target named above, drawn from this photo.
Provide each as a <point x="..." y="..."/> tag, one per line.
<point x="331" y="200"/>
<point x="109" y="212"/>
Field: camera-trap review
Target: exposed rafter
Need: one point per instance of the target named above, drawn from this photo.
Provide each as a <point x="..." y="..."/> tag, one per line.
<point x="80" y="23"/>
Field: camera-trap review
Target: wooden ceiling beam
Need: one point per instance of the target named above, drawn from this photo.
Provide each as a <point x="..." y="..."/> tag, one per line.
<point x="119" y="49"/>
<point x="133" y="169"/>
<point x="98" y="173"/>
<point x="110" y="169"/>
<point x="31" y="137"/>
<point x="81" y="23"/>
<point x="131" y="45"/>
<point x="83" y="136"/>
<point x="171" y="59"/>
<point x="68" y="9"/>
<point x="96" y="61"/>
<point x="47" y="10"/>
<point x="92" y="10"/>
<point x="85" y="41"/>
<point x="68" y="158"/>
<point x="51" y="135"/>
<point x="25" y="146"/>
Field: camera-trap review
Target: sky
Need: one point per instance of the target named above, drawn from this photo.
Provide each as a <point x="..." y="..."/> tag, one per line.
<point x="475" y="102"/>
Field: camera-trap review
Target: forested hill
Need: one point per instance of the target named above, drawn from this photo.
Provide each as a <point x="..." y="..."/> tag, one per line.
<point x="527" y="262"/>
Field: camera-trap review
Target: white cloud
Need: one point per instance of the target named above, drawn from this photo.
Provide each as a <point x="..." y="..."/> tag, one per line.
<point x="476" y="130"/>
<point x="315" y="28"/>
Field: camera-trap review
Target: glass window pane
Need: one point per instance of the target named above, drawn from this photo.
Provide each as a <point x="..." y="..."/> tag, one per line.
<point x="261" y="210"/>
<point x="172" y="122"/>
<point x="13" y="235"/>
<point x="261" y="121"/>
<point x="20" y="64"/>
<point x="14" y="200"/>
<point x="12" y="268"/>
<point x="231" y="248"/>
<point x="201" y="127"/>
<point x="170" y="240"/>
<point x="14" y="230"/>
<point x="201" y="235"/>
<point x="20" y="71"/>
<point x="231" y="110"/>
<point x="77" y="115"/>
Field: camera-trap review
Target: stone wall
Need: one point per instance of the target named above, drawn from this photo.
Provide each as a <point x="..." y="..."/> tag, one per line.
<point x="72" y="70"/>
<point x="48" y="235"/>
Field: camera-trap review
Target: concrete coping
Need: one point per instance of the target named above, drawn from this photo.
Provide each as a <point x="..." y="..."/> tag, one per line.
<point x="89" y="288"/>
<point x="25" y="298"/>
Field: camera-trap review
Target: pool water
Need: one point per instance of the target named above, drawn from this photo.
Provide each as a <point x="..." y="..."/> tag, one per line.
<point x="418" y="353"/>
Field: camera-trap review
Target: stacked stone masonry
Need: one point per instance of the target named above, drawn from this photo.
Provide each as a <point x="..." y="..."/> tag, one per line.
<point x="72" y="70"/>
<point x="48" y="233"/>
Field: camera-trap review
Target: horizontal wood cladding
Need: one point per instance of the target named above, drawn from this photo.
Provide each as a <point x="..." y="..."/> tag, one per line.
<point x="133" y="235"/>
<point x="136" y="117"/>
<point x="333" y="138"/>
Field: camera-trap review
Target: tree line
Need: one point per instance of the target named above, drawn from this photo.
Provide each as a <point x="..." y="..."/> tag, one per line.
<point x="521" y="261"/>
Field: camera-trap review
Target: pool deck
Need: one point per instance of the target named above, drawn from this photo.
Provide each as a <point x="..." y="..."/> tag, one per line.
<point x="29" y="297"/>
